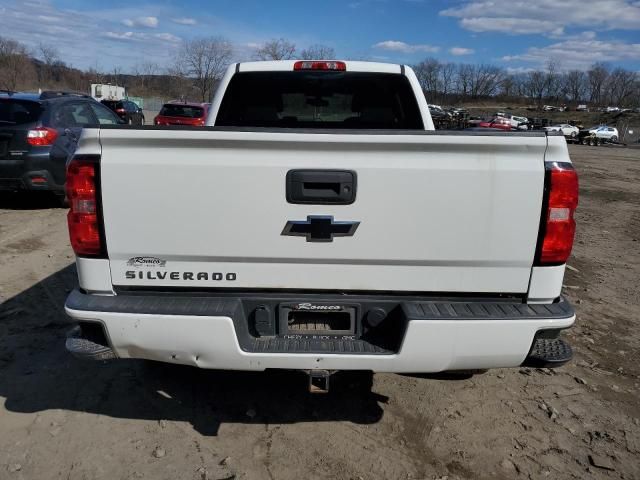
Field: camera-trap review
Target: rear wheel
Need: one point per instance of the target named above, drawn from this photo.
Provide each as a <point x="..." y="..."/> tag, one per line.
<point x="130" y="122"/>
<point x="573" y="134"/>
<point x="142" y="120"/>
<point x="614" y="139"/>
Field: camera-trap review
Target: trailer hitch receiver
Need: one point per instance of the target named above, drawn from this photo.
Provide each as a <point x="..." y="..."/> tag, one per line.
<point x="319" y="380"/>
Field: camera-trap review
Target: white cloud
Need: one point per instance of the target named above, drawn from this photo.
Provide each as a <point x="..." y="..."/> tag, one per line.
<point x="461" y="51"/>
<point x="511" y="26"/>
<point x="127" y="36"/>
<point x="147" y="22"/>
<point x="579" y="53"/>
<point x="548" y="17"/>
<point x="168" y="37"/>
<point x="397" y="46"/>
<point x="518" y="70"/>
<point x="105" y="41"/>
<point x="184" y="21"/>
<point x="139" y="36"/>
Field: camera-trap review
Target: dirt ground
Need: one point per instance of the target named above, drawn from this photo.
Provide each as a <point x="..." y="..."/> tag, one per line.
<point x="65" y="419"/>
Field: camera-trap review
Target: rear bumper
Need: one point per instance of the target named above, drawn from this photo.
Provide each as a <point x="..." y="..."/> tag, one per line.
<point x="33" y="172"/>
<point x="208" y="333"/>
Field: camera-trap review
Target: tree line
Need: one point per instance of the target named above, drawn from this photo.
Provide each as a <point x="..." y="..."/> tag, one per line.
<point x="199" y="65"/>
<point x="599" y="85"/>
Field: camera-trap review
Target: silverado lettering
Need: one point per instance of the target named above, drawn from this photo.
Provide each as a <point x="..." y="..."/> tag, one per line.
<point x="154" y="275"/>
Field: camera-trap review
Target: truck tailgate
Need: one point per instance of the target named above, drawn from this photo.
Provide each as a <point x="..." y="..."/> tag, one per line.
<point x="437" y="212"/>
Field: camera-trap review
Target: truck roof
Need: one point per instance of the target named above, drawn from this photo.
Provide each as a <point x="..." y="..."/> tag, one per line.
<point x="287" y="65"/>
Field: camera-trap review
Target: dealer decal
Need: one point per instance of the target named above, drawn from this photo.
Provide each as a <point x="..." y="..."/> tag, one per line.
<point x="146" y="262"/>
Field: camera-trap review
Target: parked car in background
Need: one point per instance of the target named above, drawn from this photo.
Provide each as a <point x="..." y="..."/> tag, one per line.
<point x="499" y="123"/>
<point x="456" y="111"/>
<point x="582" y="108"/>
<point x="603" y="131"/>
<point x="521" y="123"/>
<point x="439" y="113"/>
<point x="39" y="133"/>
<point x="566" y="129"/>
<point x="193" y="114"/>
<point x="612" y="109"/>
<point x="128" y="111"/>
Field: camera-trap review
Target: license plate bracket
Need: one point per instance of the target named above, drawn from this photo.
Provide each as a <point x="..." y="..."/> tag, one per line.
<point x="317" y="319"/>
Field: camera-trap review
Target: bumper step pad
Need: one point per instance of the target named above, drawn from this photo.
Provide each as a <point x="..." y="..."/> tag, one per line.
<point x="85" y="349"/>
<point x="286" y="345"/>
<point x="548" y="353"/>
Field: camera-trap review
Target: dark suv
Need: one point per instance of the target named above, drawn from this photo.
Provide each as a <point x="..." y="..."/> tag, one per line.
<point x="128" y="111"/>
<point x="39" y="133"/>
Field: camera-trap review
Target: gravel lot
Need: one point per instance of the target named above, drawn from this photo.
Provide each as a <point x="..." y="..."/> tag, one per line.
<point x="62" y="418"/>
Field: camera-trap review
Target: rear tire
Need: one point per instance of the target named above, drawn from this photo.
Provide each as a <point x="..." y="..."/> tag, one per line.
<point x="142" y="121"/>
<point x="614" y="139"/>
<point x="130" y="122"/>
<point x="573" y="134"/>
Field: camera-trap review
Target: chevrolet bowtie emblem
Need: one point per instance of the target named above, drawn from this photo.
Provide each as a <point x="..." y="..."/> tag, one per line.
<point x="319" y="228"/>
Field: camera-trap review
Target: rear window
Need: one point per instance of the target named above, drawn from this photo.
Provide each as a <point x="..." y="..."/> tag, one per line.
<point x="320" y="100"/>
<point x="112" y="104"/>
<point x="18" y="112"/>
<point x="186" y="111"/>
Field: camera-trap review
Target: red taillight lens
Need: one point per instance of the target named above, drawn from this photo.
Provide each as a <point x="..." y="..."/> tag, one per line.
<point x="316" y="65"/>
<point x="121" y="110"/>
<point x="41" y="136"/>
<point x="561" y="203"/>
<point x="83" y="217"/>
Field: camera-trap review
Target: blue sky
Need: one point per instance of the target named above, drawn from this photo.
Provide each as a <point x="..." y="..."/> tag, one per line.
<point x="515" y="34"/>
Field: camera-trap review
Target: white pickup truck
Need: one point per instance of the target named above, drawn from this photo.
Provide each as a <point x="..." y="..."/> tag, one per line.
<point x="320" y="223"/>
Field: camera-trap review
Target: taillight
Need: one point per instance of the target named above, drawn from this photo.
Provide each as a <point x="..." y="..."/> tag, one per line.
<point x="41" y="136"/>
<point x="120" y="110"/>
<point x="558" y="226"/>
<point x="84" y="217"/>
<point x="317" y="65"/>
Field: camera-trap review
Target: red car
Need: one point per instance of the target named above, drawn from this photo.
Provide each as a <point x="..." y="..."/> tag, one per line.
<point x="498" y="122"/>
<point x="192" y="114"/>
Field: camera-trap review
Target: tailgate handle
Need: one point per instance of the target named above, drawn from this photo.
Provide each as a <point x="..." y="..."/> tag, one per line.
<point x="321" y="187"/>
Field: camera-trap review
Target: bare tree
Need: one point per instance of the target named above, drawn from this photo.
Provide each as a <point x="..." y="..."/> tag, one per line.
<point x="15" y="65"/>
<point x="145" y="72"/>
<point x="117" y="73"/>
<point x="204" y="60"/>
<point x="446" y="80"/>
<point x="537" y="85"/>
<point x="48" y="54"/>
<point x="318" y="52"/>
<point x="485" y="80"/>
<point x="575" y="85"/>
<point x="620" y="86"/>
<point x="597" y="76"/>
<point x="508" y="86"/>
<point x="276" y="49"/>
<point x="428" y="72"/>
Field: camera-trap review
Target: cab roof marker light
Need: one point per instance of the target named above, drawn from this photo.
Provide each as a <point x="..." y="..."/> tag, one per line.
<point x="320" y="65"/>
